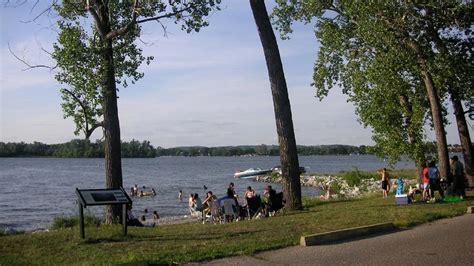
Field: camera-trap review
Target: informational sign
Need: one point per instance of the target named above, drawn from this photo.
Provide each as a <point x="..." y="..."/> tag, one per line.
<point x="94" y="197"/>
<point x="90" y="197"/>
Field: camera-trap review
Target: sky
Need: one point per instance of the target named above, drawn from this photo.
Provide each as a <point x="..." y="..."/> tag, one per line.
<point x="209" y="88"/>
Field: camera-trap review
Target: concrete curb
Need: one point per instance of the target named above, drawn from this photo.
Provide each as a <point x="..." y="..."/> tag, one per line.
<point x="327" y="237"/>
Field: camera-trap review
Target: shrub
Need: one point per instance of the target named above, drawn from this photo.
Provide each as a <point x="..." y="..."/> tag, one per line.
<point x="73" y="221"/>
<point x="274" y="176"/>
<point x="355" y="176"/>
<point x="336" y="188"/>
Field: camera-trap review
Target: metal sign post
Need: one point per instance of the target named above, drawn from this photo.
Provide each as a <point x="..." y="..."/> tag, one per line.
<point x="94" y="197"/>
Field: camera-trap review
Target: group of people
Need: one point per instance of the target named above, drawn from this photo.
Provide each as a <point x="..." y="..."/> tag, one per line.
<point x="431" y="181"/>
<point x="204" y="207"/>
<point x="135" y="192"/>
<point x="454" y="184"/>
<point x="134" y="221"/>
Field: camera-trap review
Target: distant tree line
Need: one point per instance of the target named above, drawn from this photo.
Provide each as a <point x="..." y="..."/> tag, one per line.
<point x="76" y="148"/>
<point x="270" y="150"/>
<point x="79" y="148"/>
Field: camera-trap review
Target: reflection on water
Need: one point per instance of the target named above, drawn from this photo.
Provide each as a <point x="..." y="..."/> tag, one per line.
<point x="35" y="190"/>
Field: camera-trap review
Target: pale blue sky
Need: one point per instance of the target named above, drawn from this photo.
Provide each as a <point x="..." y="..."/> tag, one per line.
<point x="209" y="88"/>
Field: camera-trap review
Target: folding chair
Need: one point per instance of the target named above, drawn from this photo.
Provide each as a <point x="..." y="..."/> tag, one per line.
<point x="230" y="210"/>
<point x="275" y="203"/>
<point x="254" y="206"/>
<point x="214" y="215"/>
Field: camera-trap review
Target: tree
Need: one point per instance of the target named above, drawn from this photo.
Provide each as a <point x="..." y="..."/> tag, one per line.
<point x="393" y="29"/>
<point x="454" y="68"/>
<point x="281" y="103"/>
<point x="94" y="57"/>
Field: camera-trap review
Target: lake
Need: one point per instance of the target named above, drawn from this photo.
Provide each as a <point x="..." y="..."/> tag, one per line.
<point x="35" y="190"/>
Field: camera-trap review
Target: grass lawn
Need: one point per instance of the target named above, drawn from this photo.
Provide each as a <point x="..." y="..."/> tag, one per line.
<point x="175" y="244"/>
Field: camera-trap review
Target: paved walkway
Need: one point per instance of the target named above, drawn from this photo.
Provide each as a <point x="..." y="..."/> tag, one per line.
<point x="443" y="242"/>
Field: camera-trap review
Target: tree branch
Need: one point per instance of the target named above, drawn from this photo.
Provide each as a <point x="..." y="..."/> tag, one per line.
<point x="98" y="22"/>
<point x="47" y="10"/>
<point x="27" y="64"/>
<point x="167" y="15"/>
<point x="87" y="131"/>
<point x="94" y="127"/>
<point x="126" y="28"/>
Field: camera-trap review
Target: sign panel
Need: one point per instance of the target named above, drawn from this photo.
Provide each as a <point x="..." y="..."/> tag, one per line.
<point x="89" y="197"/>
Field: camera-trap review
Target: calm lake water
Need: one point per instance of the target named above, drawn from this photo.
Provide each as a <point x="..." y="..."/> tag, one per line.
<point x="35" y="190"/>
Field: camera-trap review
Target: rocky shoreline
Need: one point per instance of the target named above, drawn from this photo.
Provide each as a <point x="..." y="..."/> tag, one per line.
<point x="339" y="186"/>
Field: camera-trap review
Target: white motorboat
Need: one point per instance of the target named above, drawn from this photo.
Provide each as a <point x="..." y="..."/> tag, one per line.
<point x="251" y="172"/>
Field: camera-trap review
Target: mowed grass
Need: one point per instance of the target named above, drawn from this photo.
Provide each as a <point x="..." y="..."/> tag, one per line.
<point x="176" y="244"/>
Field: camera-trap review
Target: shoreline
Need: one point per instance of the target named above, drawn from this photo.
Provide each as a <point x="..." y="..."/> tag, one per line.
<point x="339" y="186"/>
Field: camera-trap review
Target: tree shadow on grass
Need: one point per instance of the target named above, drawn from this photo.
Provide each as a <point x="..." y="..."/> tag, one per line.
<point x="157" y="237"/>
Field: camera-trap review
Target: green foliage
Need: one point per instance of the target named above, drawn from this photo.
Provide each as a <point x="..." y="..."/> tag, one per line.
<point x="77" y="148"/>
<point x="82" y="49"/>
<point x="335" y="188"/>
<point x="262" y="149"/>
<point x="135" y="149"/>
<point x="73" y="221"/>
<point x="355" y="177"/>
<point x="365" y="50"/>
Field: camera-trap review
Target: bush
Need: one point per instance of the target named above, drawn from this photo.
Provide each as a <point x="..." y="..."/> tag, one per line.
<point x="336" y="188"/>
<point x="73" y="221"/>
<point x="355" y="177"/>
<point x="274" y="176"/>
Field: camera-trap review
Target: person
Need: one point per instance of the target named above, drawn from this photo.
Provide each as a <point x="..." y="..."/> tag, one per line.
<point x="232" y="187"/>
<point x="269" y="191"/>
<point x="230" y="194"/>
<point x="190" y="200"/>
<point x="249" y="193"/>
<point x="180" y="195"/>
<point x="132" y="192"/>
<point x="197" y="203"/>
<point x="426" y="183"/>
<point x="269" y="194"/>
<point x="385" y="182"/>
<point x="156" y="216"/>
<point x="209" y="197"/>
<point x="151" y="193"/>
<point x="412" y="191"/>
<point x="434" y="180"/>
<point x="457" y="173"/>
<point x="327" y="196"/>
<point x="135" y="190"/>
<point x="131" y="219"/>
<point x="207" y="202"/>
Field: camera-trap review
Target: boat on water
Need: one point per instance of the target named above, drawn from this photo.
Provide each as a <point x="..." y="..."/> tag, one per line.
<point x="251" y="172"/>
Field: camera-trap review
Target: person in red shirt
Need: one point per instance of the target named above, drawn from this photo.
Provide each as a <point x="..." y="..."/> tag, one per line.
<point x="426" y="183"/>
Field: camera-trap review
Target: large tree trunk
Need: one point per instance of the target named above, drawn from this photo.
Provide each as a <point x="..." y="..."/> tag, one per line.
<point x="437" y="117"/>
<point x="113" y="160"/>
<point x="464" y="136"/>
<point x="281" y="104"/>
